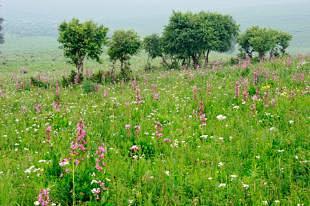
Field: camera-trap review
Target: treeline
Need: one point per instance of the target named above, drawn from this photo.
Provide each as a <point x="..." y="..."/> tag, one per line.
<point x="187" y="39"/>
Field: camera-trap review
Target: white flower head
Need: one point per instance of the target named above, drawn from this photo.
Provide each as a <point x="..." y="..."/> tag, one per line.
<point x="221" y="117"/>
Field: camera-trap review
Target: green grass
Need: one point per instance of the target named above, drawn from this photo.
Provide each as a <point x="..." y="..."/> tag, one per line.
<point x="258" y="154"/>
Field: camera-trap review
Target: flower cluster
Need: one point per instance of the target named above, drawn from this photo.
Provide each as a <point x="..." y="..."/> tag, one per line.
<point x="100" y="157"/>
<point x="43" y="198"/>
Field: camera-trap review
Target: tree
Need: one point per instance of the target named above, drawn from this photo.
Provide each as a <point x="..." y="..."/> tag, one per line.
<point x="219" y="32"/>
<point x="153" y="46"/>
<point x="123" y="45"/>
<point x="182" y="38"/>
<point x="1" y="34"/>
<point x="82" y="40"/>
<point x="189" y="36"/>
<point x="263" y="40"/>
<point x="282" y="40"/>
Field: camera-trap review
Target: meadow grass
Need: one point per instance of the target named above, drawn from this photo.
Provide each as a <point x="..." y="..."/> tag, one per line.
<point x="256" y="154"/>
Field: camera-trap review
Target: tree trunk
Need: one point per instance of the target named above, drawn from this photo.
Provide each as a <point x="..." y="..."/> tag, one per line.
<point x="80" y="66"/>
<point x="195" y="61"/>
<point x="261" y="56"/>
<point x="207" y="58"/>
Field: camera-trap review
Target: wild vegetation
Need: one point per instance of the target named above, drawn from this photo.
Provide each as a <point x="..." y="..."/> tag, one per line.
<point x="187" y="131"/>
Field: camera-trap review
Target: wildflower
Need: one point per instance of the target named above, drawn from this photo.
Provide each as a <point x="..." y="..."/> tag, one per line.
<point x="43" y="197"/>
<point x="137" y="129"/>
<point x="96" y="192"/>
<point x="245" y="186"/>
<point x="138" y="95"/>
<point x="291" y="122"/>
<point x="56" y="106"/>
<point x="127" y="126"/>
<point x="159" y="130"/>
<point x="167" y="173"/>
<point x="221" y="117"/>
<point x="38" y="108"/>
<point x="203" y="120"/>
<point x="79" y="145"/>
<point x="221" y="185"/>
<point x="232" y="177"/>
<point x="134" y="148"/>
<point x="237" y="89"/>
<point x="167" y="140"/>
<point x="105" y="92"/>
<point x="100" y="157"/>
<point x="245" y="94"/>
<point x="57" y="90"/>
<point x="156" y="95"/>
<point x="220" y="164"/>
<point x="255" y="77"/>
<point x="48" y="134"/>
<point x="64" y="162"/>
<point x="236" y="107"/>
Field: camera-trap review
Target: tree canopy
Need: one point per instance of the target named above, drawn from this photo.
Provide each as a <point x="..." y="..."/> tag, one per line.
<point x="82" y="40"/>
<point x="122" y="46"/>
<point x="189" y="36"/>
<point x="263" y="40"/>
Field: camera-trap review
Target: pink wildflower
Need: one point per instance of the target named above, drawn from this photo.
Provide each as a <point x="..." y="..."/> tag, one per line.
<point x="48" y="134"/>
<point x="159" y="130"/>
<point x="237" y="89"/>
<point x="134" y="148"/>
<point x="43" y="197"/>
<point x="100" y="158"/>
<point x="64" y="162"/>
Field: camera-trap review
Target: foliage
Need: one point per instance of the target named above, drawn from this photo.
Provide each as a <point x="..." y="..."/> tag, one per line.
<point x="153" y="46"/>
<point x="82" y="40"/>
<point x="73" y="78"/>
<point x="123" y="45"/>
<point x="38" y="83"/>
<point x="189" y="36"/>
<point x="263" y="40"/>
<point x="88" y="86"/>
<point x="258" y="154"/>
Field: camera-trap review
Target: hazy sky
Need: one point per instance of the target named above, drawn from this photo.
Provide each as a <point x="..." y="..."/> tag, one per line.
<point x="148" y="16"/>
<point x="59" y="9"/>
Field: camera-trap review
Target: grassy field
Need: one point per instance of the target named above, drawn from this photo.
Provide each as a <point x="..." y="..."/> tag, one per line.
<point x="169" y="138"/>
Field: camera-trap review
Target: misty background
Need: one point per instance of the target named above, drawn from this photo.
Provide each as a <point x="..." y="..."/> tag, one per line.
<point x="40" y="18"/>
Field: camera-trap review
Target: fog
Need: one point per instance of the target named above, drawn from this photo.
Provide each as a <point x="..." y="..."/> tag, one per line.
<point x="41" y="17"/>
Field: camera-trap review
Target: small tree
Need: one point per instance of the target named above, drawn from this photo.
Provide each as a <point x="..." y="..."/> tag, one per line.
<point x="123" y="45"/>
<point x="219" y="32"/>
<point x="153" y="45"/>
<point x="182" y="38"/>
<point x="283" y="41"/>
<point x="263" y="40"/>
<point x="82" y="40"/>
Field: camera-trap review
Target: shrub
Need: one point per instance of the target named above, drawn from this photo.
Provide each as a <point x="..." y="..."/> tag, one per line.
<point x="38" y="83"/>
<point x="88" y="86"/>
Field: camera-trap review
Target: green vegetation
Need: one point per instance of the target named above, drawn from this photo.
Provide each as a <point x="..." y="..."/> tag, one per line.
<point x="234" y="134"/>
<point x="263" y="40"/>
<point x="123" y="45"/>
<point x="257" y="155"/>
<point x="82" y="40"/>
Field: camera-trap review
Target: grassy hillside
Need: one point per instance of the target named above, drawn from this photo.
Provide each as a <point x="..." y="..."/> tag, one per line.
<point x="170" y="138"/>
